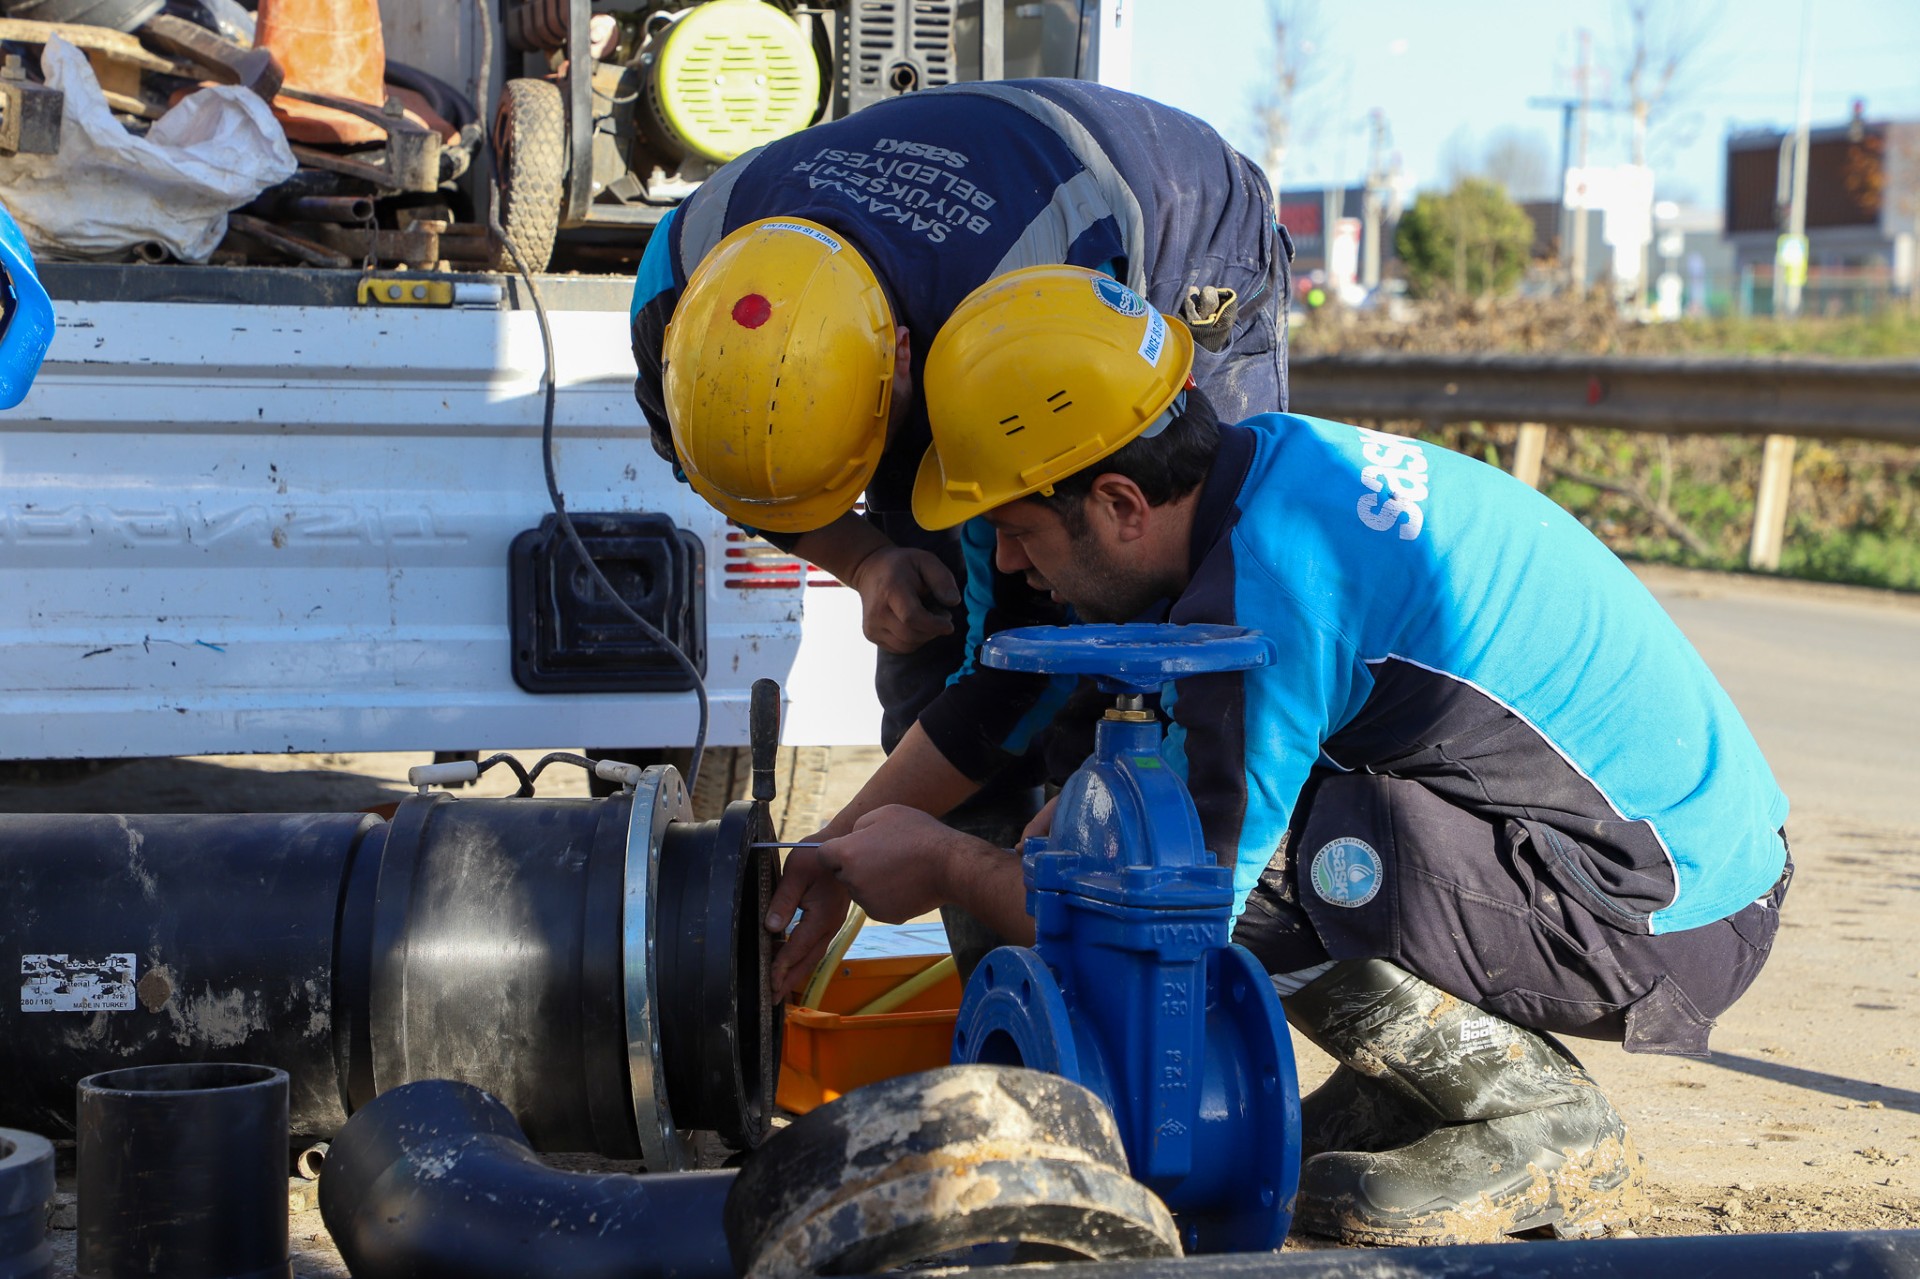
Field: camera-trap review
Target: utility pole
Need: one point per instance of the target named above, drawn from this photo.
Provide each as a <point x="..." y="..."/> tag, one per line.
<point x="1790" y="260"/>
<point x="1583" y="79"/>
<point x="1574" y="113"/>
<point x="1371" y="201"/>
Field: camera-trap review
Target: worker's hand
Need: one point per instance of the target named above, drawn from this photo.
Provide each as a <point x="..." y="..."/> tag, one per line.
<point x="904" y="595"/>
<point x="894" y="863"/>
<point x="1041" y="824"/>
<point x="806" y="886"/>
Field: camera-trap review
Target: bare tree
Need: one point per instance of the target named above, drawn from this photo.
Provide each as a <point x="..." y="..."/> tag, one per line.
<point x="1299" y="65"/>
<point x="1882" y="173"/>
<point x="1665" y="59"/>
<point x="1515" y="158"/>
<point x="1459" y="157"/>
<point x="1519" y="161"/>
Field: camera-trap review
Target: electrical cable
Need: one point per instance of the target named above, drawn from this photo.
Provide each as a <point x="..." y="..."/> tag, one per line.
<point x="519" y="770"/>
<point x="558" y="757"/>
<point x="559" y="502"/>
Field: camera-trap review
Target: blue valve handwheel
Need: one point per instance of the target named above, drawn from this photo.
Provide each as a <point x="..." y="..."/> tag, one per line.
<point x="1131" y="657"/>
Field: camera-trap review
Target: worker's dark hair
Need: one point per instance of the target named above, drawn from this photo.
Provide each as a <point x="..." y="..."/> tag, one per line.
<point x="1167" y="466"/>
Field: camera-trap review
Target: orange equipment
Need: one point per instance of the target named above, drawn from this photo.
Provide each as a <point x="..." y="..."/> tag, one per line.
<point x="326" y="46"/>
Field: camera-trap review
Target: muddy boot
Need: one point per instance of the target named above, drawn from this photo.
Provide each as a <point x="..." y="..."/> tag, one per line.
<point x="1349" y="1111"/>
<point x="1523" y="1137"/>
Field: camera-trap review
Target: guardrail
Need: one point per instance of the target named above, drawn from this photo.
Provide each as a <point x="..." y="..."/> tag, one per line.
<point x="1780" y="398"/>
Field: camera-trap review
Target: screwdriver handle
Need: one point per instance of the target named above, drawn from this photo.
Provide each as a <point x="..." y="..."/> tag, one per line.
<point x="763" y="732"/>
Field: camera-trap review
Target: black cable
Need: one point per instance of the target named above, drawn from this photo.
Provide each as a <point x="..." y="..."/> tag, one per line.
<point x="558" y="757"/>
<point x="553" y="484"/>
<point x="519" y="770"/>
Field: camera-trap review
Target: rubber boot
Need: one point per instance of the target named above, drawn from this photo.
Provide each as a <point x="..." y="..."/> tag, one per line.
<point x="1350" y="1111"/>
<point x="1523" y="1138"/>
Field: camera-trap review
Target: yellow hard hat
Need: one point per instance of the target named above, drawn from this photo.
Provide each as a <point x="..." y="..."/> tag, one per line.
<point x="1038" y="374"/>
<point x="778" y="374"/>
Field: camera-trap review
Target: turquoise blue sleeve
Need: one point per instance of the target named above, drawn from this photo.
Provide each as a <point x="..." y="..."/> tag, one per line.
<point x="655" y="275"/>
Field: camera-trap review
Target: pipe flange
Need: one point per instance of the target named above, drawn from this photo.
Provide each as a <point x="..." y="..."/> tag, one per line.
<point x="1013" y="997"/>
<point x="26" y="1183"/>
<point x="660" y="800"/>
<point x="913" y="1168"/>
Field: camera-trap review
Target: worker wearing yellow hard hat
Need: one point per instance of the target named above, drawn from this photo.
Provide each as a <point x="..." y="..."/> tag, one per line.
<point x="778" y="374"/>
<point x="1487" y="794"/>
<point x="781" y="323"/>
<point x="783" y="311"/>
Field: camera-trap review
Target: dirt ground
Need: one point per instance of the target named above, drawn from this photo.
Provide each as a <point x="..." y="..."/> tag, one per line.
<point x="1806" y="1117"/>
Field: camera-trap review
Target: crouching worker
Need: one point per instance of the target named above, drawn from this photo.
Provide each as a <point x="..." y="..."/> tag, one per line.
<point x="1489" y="794"/>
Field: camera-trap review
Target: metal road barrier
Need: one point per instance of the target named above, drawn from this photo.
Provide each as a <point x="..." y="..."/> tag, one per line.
<point x="1780" y="398"/>
<point x="1821" y="398"/>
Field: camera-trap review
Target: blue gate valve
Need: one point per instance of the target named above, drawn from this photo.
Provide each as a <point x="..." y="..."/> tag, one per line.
<point x="1132" y="986"/>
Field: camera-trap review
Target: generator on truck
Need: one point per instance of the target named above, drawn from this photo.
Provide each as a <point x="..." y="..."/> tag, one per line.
<point x="273" y="508"/>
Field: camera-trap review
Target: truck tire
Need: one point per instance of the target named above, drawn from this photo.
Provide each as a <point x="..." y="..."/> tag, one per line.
<point x="530" y="142"/>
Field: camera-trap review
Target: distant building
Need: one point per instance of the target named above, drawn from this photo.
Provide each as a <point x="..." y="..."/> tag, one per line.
<point x="1305" y="212"/>
<point x="1863" y="205"/>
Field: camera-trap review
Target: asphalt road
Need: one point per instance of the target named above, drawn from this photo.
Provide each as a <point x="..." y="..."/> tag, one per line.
<point x="1807" y="1115"/>
<point x="1827" y="677"/>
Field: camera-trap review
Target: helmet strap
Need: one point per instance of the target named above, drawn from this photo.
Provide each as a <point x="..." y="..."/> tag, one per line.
<point x="1165" y="420"/>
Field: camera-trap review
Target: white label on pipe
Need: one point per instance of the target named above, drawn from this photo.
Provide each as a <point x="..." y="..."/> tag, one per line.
<point x="76" y="983"/>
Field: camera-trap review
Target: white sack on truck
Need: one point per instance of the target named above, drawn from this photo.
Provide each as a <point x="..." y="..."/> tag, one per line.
<point x="106" y="190"/>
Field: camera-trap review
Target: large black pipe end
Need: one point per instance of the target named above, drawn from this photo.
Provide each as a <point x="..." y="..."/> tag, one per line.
<point x="26" y="1183"/>
<point x="718" y="1021"/>
<point x="435" y="1180"/>
<point x="145" y="940"/>
<point x="183" y="1171"/>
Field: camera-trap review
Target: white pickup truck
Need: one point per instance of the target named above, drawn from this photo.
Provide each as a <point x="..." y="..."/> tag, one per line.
<point x="266" y="509"/>
<point x="243" y="511"/>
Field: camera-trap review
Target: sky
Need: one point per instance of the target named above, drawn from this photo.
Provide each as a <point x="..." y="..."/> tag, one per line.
<point x="1452" y="77"/>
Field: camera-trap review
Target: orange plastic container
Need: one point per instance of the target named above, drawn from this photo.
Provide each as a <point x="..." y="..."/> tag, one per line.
<point x="828" y="1051"/>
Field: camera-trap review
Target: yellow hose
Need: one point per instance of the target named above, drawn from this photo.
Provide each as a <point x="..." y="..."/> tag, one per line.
<point x="830" y="962"/>
<point x="925" y="979"/>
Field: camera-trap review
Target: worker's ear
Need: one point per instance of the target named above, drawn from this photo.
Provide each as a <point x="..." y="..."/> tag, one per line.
<point x="1116" y="504"/>
<point x="902" y="376"/>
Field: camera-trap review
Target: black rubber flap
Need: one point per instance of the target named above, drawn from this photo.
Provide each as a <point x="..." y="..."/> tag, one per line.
<point x="568" y="637"/>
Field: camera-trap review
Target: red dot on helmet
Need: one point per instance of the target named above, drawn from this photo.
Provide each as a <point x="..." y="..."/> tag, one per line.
<point x="752" y="311"/>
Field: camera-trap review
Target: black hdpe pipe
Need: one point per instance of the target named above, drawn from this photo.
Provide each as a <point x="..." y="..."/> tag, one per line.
<point x="182" y="1170"/>
<point x="26" y="1183"/>
<point x="598" y="965"/>
<point x="434" y="1180"/>
<point x="1858" y="1254"/>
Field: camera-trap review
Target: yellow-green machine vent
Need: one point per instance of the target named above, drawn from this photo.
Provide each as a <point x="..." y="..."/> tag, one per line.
<point x="732" y="74"/>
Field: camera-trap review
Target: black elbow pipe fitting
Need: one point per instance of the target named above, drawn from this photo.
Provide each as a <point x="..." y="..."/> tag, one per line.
<point x="435" y="1180"/>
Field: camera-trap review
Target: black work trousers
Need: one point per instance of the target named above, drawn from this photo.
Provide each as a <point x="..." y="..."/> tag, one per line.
<point x="1381" y="867"/>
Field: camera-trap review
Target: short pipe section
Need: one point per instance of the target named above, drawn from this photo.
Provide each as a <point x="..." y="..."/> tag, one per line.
<point x="435" y="1180"/>
<point x="183" y="1170"/>
<point x="308" y="1163"/>
<point x="26" y="1183"/>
